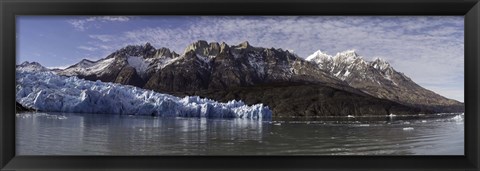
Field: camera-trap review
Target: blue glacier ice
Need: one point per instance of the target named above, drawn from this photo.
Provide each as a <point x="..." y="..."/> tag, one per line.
<point x="46" y="91"/>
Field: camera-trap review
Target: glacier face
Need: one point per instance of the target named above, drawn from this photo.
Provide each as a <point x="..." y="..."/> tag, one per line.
<point x="47" y="91"/>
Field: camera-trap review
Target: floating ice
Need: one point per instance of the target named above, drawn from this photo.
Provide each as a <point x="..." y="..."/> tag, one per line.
<point x="48" y="116"/>
<point x="48" y="92"/>
<point x="458" y="118"/>
<point x="363" y="125"/>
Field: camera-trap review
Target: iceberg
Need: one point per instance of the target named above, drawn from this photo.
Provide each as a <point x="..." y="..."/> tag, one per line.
<point x="46" y="91"/>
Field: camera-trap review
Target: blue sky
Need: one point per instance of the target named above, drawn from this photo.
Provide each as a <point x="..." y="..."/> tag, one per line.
<point x="428" y="49"/>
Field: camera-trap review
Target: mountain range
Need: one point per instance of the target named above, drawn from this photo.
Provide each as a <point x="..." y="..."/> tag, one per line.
<point x="319" y="85"/>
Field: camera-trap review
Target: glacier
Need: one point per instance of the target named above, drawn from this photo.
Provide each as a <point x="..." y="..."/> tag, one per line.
<point x="48" y="92"/>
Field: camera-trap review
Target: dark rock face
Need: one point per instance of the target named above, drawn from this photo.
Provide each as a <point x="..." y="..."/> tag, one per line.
<point x="146" y="51"/>
<point x="21" y="108"/>
<point x="191" y="73"/>
<point x="218" y="66"/>
<point x="117" y="67"/>
<point x="309" y="100"/>
<point x="288" y="84"/>
<point x="128" y="76"/>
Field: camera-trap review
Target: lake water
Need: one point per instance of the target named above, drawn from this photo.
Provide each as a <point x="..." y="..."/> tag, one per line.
<point x="96" y="134"/>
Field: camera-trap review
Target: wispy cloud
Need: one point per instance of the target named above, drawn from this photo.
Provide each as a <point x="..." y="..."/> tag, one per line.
<point x="103" y="38"/>
<point x="429" y="49"/>
<point x="87" y="48"/>
<point x="84" y="23"/>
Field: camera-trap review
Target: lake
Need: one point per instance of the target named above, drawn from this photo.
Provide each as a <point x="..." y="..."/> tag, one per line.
<point x="98" y="134"/>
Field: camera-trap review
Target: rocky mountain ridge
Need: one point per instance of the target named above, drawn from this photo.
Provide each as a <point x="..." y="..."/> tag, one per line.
<point x="378" y="78"/>
<point x="222" y="72"/>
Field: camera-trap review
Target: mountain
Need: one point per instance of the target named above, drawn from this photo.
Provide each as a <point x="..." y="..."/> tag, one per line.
<point x="132" y="65"/>
<point x="378" y="78"/>
<point x="219" y="66"/>
<point x="288" y="84"/>
<point x="45" y="91"/>
<point x="31" y="66"/>
<point x="203" y="65"/>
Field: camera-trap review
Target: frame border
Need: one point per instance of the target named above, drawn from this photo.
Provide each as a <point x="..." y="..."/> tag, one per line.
<point x="10" y="8"/>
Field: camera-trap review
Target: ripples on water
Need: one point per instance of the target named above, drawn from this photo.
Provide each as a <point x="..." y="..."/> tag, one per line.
<point x="94" y="134"/>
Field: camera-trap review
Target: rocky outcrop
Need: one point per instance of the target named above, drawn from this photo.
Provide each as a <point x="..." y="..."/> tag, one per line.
<point x="128" y="76"/>
<point x="21" y="108"/>
<point x="188" y="74"/>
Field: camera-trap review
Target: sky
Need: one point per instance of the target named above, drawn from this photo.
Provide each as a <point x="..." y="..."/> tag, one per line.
<point x="428" y="49"/>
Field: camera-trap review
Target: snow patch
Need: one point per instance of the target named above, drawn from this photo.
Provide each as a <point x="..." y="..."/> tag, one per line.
<point x="205" y="59"/>
<point x="318" y="56"/>
<point x="338" y="74"/>
<point x="140" y="64"/>
<point x="347" y="73"/>
<point x="258" y="64"/>
<point x="164" y="61"/>
<point x="94" y="68"/>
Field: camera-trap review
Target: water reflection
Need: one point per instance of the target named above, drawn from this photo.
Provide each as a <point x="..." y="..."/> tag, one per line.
<point x="85" y="134"/>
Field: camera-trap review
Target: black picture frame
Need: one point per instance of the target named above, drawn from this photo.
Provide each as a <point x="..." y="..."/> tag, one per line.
<point x="10" y="8"/>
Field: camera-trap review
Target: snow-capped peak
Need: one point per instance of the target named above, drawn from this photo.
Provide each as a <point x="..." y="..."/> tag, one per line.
<point x="31" y="67"/>
<point x="348" y="56"/>
<point x="380" y="64"/>
<point x="350" y="52"/>
<point x="26" y="63"/>
<point x="317" y="56"/>
<point x="135" y="50"/>
<point x="344" y="63"/>
<point x="85" y="63"/>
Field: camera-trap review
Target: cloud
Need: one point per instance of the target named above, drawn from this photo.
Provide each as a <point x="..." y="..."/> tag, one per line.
<point x="84" y="23"/>
<point x="103" y="38"/>
<point x="88" y="48"/>
<point x="428" y="49"/>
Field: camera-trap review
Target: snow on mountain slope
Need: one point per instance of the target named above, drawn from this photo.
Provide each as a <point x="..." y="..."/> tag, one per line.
<point x="380" y="79"/>
<point x="46" y="91"/>
<point x="343" y="64"/>
<point x="140" y="64"/>
<point x="91" y="68"/>
<point x="160" y="63"/>
<point x="31" y="67"/>
<point x="145" y="59"/>
<point x="85" y="63"/>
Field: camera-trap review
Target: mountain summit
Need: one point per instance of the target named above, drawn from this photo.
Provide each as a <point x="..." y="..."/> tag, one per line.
<point x="31" y="66"/>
